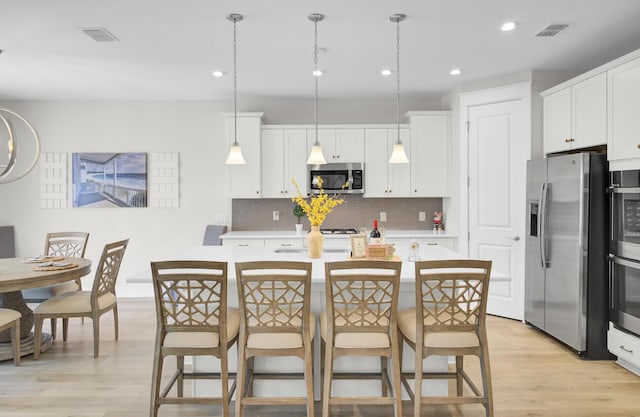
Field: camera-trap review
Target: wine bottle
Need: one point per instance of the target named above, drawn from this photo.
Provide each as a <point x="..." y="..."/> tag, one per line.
<point x="374" y="237"/>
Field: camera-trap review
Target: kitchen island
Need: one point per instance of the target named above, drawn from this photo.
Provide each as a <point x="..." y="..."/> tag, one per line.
<point x="406" y="299"/>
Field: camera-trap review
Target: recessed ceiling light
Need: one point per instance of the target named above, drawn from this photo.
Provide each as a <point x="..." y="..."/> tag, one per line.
<point x="217" y="74"/>
<point x="386" y="72"/>
<point x="506" y="27"/>
<point x="317" y="72"/>
<point x="456" y="71"/>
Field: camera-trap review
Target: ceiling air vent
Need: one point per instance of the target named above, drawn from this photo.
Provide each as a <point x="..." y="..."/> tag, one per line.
<point x="99" y="34"/>
<point x="552" y="30"/>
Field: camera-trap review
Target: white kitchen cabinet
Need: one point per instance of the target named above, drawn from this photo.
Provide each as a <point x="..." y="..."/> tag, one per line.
<point x="292" y="243"/>
<point x="626" y="347"/>
<point x="383" y="179"/>
<point x="624" y="109"/>
<point x="430" y="136"/>
<point x="404" y="243"/>
<point x="283" y="158"/>
<point x="339" y="145"/>
<point x="244" y="180"/>
<point x="243" y="242"/>
<point x="576" y="116"/>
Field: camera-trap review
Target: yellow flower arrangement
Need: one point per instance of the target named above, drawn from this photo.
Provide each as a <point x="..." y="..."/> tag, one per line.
<point x="319" y="205"/>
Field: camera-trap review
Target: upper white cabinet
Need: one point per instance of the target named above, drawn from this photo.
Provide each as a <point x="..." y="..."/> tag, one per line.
<point x="430" y="136"/>
<point x="383" y="179"/>
<point x="244" y="180"/>
<point x="576" y="116"/>
<point x="339" y="145"/>
<point x="284" y="155"/>
<point x="624" y="110"/>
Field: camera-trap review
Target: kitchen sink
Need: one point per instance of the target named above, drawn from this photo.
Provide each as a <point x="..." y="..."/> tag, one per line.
<point x="304" y="250"/>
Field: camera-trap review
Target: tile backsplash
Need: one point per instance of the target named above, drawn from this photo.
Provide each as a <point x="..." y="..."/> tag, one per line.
<point x="355" y="212"/>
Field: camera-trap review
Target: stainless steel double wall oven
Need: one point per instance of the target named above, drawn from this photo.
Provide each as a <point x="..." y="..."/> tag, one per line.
<point x="624" y="248"/>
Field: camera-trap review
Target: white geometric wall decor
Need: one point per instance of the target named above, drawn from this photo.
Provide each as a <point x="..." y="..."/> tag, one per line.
<point x="53" y="180"/>
<point x="164" y="180"/>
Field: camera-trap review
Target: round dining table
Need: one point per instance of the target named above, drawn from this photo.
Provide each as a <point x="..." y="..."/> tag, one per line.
<point x="17" y="274"/>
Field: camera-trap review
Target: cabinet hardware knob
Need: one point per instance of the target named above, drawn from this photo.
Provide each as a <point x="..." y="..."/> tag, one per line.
<point x="415" y="191"/>
<point x="515" y="238"/>
<point x="338" y="156"/>
<point x="257" y="192"/>
<point x="566" y="140"/>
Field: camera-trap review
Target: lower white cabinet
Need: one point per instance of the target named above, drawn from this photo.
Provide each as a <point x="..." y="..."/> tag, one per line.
<point x="242" y="242"/>
<point x="383" y="179"/>
<point x="447" y="242"/>
<point x="626" y="347"/>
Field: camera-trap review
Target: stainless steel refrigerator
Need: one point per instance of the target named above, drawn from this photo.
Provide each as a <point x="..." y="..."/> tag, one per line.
<point x="566" y="273"/>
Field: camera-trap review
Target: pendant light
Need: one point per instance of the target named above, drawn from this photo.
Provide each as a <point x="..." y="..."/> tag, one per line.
<point x="235" y="153"/>
<point x="316" y="156"/>
<point x="7" y="173"/>
<point x="398" y="156"/>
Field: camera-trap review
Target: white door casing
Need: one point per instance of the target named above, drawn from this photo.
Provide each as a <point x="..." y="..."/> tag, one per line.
<point x="496" y="148"/>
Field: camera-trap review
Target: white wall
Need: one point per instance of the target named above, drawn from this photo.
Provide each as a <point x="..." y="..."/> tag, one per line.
<point x="193" y="129"/>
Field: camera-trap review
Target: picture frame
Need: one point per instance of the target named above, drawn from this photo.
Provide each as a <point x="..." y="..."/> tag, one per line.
<point x="358" y="246"/>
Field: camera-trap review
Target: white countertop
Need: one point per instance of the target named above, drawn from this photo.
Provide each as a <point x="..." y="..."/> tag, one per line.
<point x="286" y="234"/>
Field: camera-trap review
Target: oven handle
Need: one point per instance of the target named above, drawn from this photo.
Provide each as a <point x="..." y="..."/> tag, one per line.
<point x="624" y="262"/>
<point x="622" y="190"/>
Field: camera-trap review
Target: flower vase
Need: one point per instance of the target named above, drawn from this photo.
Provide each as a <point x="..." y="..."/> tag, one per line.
<point x="315" y="240"/>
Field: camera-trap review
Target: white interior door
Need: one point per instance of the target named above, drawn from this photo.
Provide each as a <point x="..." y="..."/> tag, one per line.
<point x="498" y="149"/>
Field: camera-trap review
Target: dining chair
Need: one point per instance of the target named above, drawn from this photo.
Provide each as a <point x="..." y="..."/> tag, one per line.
<point x="274" y="299"/>
<point x="449" y="320"/>
<point x="69" y="245"/>
<point x="192" y="320"/>
<point x="360" y="320"/>
<point x="10" y="319"/>
<point x="91" y="304"/>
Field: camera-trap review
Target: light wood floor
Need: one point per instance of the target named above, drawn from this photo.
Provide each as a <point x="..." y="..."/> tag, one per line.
<point x="532" y="376"/>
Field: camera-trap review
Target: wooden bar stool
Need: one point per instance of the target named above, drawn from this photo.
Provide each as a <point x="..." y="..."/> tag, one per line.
<point x="276" y="320"/>
<point x="449" y="320"/>
<point x="362" y="299"/>
<point x="193" y="320"/>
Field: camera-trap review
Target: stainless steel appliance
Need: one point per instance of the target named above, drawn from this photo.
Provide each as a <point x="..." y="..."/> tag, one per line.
<point x="624" y="246"/>
<point x="566" y="276"/>
<point x="334" y="176"/>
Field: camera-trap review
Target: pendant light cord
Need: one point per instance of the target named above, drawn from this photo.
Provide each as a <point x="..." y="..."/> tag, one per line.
<point x="235" y="86"/>
<point x="398" y="77"/>
<point x="315" y="76"/>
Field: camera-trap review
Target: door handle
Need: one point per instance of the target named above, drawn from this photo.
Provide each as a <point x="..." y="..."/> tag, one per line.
<point x="514" y="238"/>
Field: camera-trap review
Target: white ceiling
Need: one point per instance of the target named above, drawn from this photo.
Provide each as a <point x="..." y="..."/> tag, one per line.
<point x="167" y="48"/>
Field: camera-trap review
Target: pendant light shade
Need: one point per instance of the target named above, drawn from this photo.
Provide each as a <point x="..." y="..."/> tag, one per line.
<point x="316" y="157"/>
<point x="398" y="156"/>
<point x="235" y="153"/>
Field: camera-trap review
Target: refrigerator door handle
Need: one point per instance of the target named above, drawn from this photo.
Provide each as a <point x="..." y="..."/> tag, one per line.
<point x="542" y="225"/>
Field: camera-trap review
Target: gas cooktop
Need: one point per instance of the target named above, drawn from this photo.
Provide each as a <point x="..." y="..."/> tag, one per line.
<point x="338" y="231"/>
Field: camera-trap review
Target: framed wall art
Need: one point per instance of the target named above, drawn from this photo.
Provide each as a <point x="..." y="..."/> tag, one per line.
<point x="109" y="179"/>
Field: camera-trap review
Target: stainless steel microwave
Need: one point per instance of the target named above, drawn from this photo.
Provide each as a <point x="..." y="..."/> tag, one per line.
<point x="335" y="176"/>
